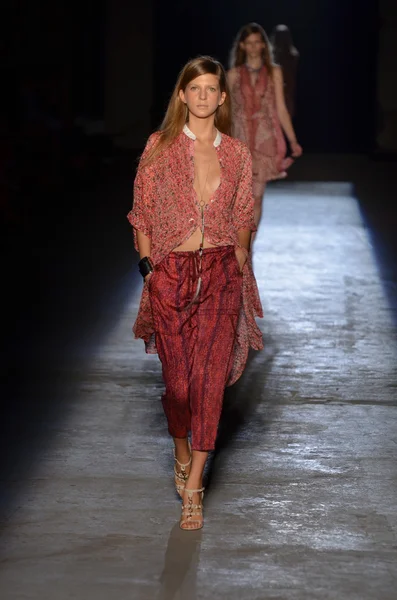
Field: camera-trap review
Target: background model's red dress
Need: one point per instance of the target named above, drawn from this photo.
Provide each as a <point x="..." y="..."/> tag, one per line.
<point x="256" y="123"/>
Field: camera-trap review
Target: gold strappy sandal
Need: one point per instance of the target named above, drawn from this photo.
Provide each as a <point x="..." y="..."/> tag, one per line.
<point x="190" y="511"/>
<point x="181" y="476"/>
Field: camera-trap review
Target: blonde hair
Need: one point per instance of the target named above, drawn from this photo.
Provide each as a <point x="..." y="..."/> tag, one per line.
<point x="238" y="56"/>
<point x="177" y="113"/>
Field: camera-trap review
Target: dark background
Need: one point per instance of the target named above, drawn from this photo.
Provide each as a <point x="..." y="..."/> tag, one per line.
<point x="117" y="63"/>
<point x="337" y="42"/>
<point x="83" y="85"/>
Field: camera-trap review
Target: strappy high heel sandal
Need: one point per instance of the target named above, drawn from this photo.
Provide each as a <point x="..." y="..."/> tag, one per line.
<point x="180" y="476"/>
<point x="190" y="511"/>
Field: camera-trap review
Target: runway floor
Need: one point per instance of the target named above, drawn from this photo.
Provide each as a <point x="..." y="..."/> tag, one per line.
<point x="301" y="499"/>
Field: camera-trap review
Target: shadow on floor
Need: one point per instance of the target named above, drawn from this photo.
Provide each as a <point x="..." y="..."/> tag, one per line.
<point x="181" y="561"/>
<point x="240" y="413"/>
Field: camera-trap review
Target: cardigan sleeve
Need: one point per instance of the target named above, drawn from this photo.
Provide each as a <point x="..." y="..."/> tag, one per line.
<point x="141" y="214"/>
<point x="243" y="209"/>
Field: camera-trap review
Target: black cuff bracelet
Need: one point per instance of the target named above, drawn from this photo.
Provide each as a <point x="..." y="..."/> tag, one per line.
<point x="145" y="266"/>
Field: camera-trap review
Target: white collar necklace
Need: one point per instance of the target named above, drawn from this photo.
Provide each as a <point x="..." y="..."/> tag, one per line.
<point x="190" y="134"/>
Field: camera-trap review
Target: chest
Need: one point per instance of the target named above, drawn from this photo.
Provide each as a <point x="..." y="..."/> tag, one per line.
<point x="207" y="173"/>
<point x="183" y="175"/>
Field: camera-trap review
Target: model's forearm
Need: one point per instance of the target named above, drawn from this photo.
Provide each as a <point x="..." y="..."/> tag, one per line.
<point x="244" y="238"/>
<point x="287" y="126"/>
<point x="144" y="244"/>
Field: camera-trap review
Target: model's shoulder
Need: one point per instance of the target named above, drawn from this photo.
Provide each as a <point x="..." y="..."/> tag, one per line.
<point x="153" y="139"/>
<point x="234" y="144"/>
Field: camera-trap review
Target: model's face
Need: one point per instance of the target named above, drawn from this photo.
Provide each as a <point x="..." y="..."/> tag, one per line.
<point x="253" y="45"/>
<point x="203" y="95"/>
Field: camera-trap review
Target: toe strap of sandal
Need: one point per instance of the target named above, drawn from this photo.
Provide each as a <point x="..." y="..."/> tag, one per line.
<point x="189" y="508"/>
<point x="188" y="521"/>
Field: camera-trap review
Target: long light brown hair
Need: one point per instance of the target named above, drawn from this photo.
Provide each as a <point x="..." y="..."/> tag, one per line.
<point x="238" y="56"/>
<point x="177" y="113"/>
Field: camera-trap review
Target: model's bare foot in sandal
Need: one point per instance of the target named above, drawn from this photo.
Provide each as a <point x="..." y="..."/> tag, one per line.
<point x="192" y="509"/>
<point x="192" y="498"/>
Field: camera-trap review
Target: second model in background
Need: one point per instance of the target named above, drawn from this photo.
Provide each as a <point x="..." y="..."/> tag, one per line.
<point x="260" y="114"/>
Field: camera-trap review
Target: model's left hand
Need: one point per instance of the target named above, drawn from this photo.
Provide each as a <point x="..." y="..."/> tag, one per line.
<point x="296" y="149"/>
<point x="241" y="257"/>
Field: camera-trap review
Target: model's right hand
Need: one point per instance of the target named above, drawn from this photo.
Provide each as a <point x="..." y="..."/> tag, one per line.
<point x="148" y="276"/>
<point x="296" y="149"/>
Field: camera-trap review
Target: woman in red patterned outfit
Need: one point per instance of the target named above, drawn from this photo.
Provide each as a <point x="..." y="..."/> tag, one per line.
<point x="192" y="218"/>
<point x="259" y="112"/>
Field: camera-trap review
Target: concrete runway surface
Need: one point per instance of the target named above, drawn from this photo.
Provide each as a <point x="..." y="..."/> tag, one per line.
<point x="301" y="498"/>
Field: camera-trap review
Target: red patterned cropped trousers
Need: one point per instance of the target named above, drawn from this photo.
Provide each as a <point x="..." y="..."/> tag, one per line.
<point x="195" y="341"/>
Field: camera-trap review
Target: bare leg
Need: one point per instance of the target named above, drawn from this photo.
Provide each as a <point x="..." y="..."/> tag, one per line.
<point x="182" y="451"/>
<point x="195" y="482"/>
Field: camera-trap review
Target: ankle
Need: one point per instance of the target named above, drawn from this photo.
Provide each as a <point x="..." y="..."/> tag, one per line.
<point x="182" y="453"/>
<point x="194" y="483"/>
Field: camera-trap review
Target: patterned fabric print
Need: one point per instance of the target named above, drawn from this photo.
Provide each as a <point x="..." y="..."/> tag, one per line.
<point x="256" y="123"/>
<point x="195" y="344"/>
<point x="166" y="209"/>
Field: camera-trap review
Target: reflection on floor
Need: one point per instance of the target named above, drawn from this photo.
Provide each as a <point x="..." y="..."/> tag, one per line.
<point x="301" y="491"/>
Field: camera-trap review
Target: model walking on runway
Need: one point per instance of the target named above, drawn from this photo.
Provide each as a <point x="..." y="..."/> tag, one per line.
<point x="260" y="115"/>
<point x="193" y="215"/>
